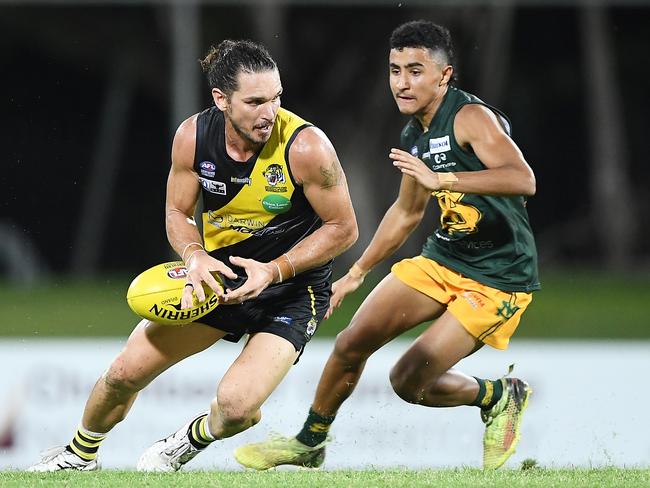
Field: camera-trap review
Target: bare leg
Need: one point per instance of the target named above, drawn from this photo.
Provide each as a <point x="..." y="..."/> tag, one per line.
<point x="150" y="350"/>
<point x="423" y="374"/>
<point x="391" y="309"/>
<point x="255" y="374"/>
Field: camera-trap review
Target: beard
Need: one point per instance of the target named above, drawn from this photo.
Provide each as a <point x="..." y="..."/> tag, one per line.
<point x="247" y="135"/>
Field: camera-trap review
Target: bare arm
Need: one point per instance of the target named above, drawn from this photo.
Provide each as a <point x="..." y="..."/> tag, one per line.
<point x="506" y="173"/>
<point x="182" y="190"/>
<point x="402" y="217"/>
<point x="182" y="233"/>
<point x="400" y="220"/>
<point x="316" y="167"/>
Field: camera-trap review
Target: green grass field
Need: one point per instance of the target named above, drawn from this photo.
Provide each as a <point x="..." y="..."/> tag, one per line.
<point x="470" y="478"/>
<point x="576" y="305"/>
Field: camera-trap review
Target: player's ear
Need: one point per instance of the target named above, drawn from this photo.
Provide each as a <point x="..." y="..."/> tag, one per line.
<point x="220" y="99"/>
<point x="447" y="72"/>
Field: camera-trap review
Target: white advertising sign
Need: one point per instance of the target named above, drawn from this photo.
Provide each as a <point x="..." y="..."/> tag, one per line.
<point x="588" y="407"/>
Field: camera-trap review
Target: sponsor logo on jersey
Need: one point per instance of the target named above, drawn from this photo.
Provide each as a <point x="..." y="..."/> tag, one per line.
<point x="283" y="320"/>
<point x="253" y="227"/>
<point x="443" y="165"/>
<point x="439" y="145"/>
<point x="264" y="231"/>
<point x="216" y="187"/>
<point x="241" y="181"/>
<point x="441" y="162"/>
<point x="275" y="178"/>
<point x="477" y="245"/>
<point x="276" y="204"/>
<point x="414" y="151"/>
<point x="177" y="273"/>
<point x="231" y="221"/>
<point x="207" y="168"/>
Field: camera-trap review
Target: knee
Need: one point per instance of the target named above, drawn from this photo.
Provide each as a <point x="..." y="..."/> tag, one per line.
<point x="408" y="384"/>
<point x="123" y="379"/>
<point x="350" y="349"/>
<point x="400" y="383"/>
<point x="232" y="409"/>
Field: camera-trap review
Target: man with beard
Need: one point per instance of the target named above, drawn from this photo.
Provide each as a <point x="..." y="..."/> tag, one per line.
<point x="276" y="211"/>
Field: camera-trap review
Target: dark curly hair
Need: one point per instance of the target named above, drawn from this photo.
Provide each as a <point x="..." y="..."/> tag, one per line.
<point x="423" y="33"/>
<point x="224" y="62"/>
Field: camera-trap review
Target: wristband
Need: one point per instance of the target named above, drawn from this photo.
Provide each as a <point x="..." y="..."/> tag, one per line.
<point x="187" y="261"/>
<point x="293" y="269"/>
<point x="188" y="246"/>
<point x="357" y="272"/>
<point x="280" y="279"/>
<point x="285" y="267"/>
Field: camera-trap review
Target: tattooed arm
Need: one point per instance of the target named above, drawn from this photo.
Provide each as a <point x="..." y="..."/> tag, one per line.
<point x="316" y="167"/>
<point x="332" y="175"/>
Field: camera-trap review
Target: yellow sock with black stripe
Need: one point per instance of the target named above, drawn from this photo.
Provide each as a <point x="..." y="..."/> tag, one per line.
<point x="86" y="443"/>
<point x="489" y="393"/>
<point x="315" y="429"/>
<point x="199" y="432"/>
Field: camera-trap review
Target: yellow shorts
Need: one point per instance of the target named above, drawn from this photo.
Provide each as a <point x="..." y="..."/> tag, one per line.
<point x="488" y="314"/>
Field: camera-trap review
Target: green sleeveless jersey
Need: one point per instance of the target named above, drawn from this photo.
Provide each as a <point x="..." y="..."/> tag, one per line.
<point x="486" y="238"/>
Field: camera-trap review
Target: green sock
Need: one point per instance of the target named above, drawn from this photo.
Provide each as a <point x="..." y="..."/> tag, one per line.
<point x="489" y="393"/>
<point x="315" y="429"/>
<point x="199" y="433"/>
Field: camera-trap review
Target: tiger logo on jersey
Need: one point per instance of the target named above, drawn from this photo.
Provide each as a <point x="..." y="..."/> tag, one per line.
<point x="457" y="219"/>
<point x="275" y="178"/>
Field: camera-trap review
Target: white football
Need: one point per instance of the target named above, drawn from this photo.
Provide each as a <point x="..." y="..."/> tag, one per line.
<point x="155" y="294"/>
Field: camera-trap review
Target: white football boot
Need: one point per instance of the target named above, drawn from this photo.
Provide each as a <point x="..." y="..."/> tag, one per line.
<point x="171" y="453"/>
<point x="60" y="458"/>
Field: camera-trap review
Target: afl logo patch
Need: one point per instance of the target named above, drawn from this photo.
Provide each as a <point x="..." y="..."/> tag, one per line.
<point x="207" y="168"/>
<point x="177" y="273"/>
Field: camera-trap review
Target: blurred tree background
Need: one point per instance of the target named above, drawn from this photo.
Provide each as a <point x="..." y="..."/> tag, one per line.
<point x="94" y="90"/>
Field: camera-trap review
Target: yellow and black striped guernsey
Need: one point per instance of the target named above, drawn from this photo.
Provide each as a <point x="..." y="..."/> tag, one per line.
<point x="253" y="209"/>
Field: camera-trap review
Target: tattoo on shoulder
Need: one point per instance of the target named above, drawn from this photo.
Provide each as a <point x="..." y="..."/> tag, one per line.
<point x="332" y="175"/>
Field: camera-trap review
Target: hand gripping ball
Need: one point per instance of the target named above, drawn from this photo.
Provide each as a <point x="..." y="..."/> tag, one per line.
<point x="155" y="294"/>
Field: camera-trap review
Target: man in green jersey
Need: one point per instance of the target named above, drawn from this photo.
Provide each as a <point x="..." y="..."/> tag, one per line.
<point x="473" y="279"/>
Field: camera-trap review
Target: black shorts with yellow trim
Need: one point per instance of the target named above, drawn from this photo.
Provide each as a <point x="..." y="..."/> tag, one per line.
<point x="292" y="311"/>
<point x="489" y="314"/>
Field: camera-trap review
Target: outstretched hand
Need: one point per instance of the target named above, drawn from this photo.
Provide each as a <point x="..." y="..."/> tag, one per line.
<point x="260" y="276"/>
<point x="200" y="269"/>
<point x="414" y="167"/>
<point x="340" y="289"/>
